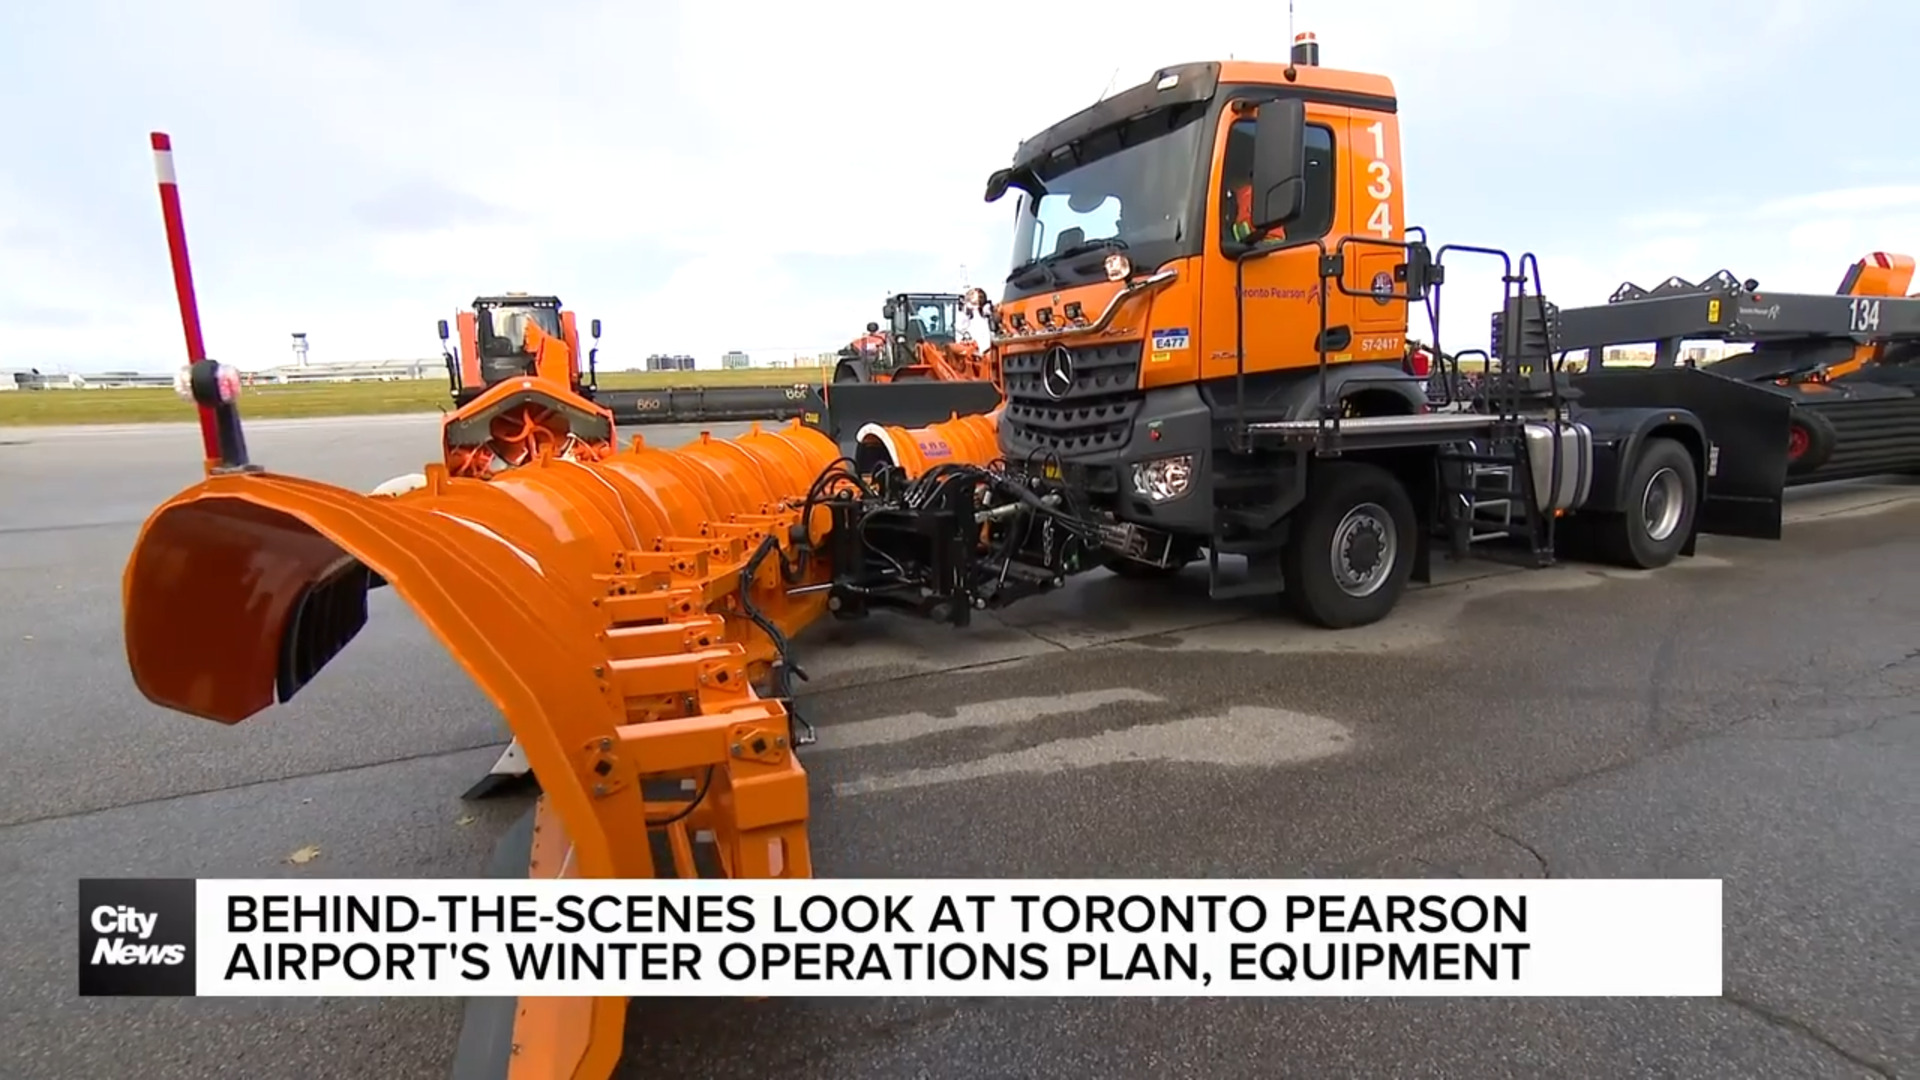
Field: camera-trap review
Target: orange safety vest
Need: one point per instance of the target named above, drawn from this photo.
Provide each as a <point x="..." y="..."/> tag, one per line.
<point x="1243" y="212"/>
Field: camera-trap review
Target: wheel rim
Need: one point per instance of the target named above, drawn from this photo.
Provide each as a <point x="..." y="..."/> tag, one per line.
<point x="1797" y="442"/>
<point x="1365" y="546"/>
<point x="1662" y="504"/>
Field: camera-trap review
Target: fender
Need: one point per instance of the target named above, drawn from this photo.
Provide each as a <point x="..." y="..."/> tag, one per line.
<point x="856" y="370"/>
<point x="1618" y="435"/>
<point x="1738" y="430"/>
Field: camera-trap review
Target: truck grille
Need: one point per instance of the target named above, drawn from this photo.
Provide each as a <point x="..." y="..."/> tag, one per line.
<point x="1094" y="416"/>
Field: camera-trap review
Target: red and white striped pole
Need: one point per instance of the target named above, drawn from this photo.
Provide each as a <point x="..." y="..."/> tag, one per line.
<point x="183" y="277"/>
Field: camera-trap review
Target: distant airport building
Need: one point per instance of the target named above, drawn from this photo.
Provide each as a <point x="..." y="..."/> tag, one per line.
<point x="663" y="362"/>
<point x="735" y="360"/>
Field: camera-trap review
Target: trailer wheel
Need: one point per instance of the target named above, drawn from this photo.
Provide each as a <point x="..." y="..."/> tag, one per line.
<point x="1352" y="546"/>
<point x="1810" y="441"/>
<point x="1660" y="502"/>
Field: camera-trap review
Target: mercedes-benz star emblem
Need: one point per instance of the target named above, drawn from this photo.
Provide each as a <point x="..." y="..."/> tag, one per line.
<point x="1056" y="372"/>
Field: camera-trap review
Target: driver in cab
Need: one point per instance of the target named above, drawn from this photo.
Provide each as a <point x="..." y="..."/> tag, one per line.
<point x="1236" y="199"/>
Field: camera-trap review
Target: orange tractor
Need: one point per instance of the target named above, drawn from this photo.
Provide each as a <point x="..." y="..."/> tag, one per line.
<point x="923" y="339"/>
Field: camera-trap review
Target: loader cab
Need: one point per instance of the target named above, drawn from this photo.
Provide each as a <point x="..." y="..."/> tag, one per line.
<point x="501" y="332"/>
<point x="494" y="337"/>
<point x="913" y="318"/>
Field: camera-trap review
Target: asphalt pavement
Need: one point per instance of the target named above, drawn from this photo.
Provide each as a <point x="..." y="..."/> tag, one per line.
<point x="1750" y="714"/>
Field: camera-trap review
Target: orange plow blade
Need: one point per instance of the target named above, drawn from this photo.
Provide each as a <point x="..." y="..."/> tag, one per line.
<point x="625" y="614"/>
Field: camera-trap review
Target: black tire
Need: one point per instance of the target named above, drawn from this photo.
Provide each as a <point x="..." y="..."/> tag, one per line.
<point x="1645" y="535"/>
<point x="1361" y="515"/>
<point x="847" y="371"/>
<point x="1813" y="436"/>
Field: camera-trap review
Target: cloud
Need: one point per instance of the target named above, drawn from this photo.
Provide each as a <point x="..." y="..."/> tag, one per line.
<point x="706" y="177"/>
<point x="426" y="206"/>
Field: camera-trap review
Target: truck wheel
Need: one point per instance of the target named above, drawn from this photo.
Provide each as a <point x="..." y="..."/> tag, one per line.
<point x="1352" y="546"/>
<point x="1659" y="503"/>
<point x="850" y="371"/>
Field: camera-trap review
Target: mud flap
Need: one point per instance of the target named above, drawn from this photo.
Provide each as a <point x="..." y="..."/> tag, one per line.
<point x="1746" y="427"/>
<point x="913" y="403"/>
<point x="485" y="1047"/>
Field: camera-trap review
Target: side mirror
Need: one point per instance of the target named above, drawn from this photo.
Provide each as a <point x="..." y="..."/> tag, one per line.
<point x="998" y="183"/>
<point x="443" y="329"/>
<point x="887" y="312"/>
<point x="1279" y="163"/>
<point x="595" y="329"/>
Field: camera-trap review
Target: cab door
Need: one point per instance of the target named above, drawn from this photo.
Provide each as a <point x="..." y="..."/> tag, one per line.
<point x="1278" y="293"/>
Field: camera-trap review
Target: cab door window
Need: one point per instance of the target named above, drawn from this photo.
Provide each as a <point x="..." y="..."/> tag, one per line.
<point x="1236" y="188"/>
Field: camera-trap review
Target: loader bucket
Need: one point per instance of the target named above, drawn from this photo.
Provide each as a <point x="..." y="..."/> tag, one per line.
<point x="853" y="406"/>
<point x="618" y="612"/>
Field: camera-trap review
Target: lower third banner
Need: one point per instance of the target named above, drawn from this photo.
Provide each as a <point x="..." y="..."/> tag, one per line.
<point x="909" y="938"/>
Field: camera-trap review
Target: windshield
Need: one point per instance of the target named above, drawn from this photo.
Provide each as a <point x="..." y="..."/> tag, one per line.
<point x="1133" y="185"/>
<point x="504" y="328"/>
<point x="933" y="317"/>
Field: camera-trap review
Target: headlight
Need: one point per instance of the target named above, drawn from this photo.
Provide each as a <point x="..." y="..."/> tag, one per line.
<point x="1162" y="479"/>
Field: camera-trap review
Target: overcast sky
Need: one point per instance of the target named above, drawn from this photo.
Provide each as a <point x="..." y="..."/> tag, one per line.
<point x="705" y="176"/>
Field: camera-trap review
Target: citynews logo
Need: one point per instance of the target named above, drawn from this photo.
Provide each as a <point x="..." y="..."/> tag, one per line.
<point x="136" y="937"/>
<point x="118" y="950"/>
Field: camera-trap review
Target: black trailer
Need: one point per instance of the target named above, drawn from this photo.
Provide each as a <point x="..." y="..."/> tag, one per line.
<point x="1334" y="511"/>
<point x="1863" y="421"/>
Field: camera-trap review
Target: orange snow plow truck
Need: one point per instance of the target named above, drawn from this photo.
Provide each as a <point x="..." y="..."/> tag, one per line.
<point x="1204" y="346"/>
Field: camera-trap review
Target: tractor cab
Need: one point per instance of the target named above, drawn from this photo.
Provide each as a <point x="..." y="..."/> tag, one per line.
<point x="916" y="339"/>
<point x="501" y="325"/>
<point x="913" y="318"/>
<point x="510" y="335"/>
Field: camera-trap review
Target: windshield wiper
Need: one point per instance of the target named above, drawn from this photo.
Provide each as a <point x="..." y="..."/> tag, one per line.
<point x="1111" y="243"/>
<point x="1026" y="273"/>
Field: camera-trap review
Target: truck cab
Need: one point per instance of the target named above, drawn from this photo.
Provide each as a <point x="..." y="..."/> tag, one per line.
<point x="1132" y="324"/>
